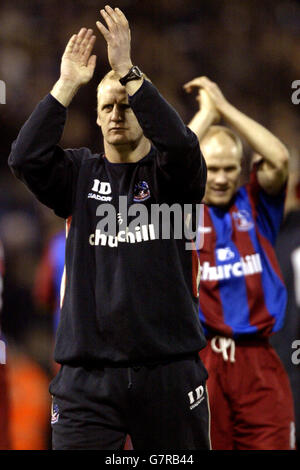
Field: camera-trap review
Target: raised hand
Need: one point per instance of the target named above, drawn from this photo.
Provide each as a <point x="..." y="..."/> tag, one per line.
<point x="210" y="87"/>
<point x="207" y="105"/>
<point x="117" y="35"/>
<point x="77" y="65"/>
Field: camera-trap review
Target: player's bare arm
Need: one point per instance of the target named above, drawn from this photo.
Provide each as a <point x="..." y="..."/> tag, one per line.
<point x="118" y="38"/>
<point x="273" y="170"/>
<point x="77" y="66"/>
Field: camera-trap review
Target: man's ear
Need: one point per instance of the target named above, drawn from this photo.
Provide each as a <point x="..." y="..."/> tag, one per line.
<point x="256" y="159"/>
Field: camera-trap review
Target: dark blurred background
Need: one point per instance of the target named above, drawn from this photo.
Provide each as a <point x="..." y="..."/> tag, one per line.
<point x="250" y="48"/>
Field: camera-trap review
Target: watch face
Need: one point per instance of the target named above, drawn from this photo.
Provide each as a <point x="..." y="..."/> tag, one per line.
<point x="136" y="71"/>
<point x="133" y="74"/>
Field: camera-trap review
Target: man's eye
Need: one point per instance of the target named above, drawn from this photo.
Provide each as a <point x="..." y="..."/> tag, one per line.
<point x="107" y="107"/>
<point x="230" y="169"/>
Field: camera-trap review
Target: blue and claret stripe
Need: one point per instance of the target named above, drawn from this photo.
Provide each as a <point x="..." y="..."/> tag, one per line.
<point x="245" y="304"/>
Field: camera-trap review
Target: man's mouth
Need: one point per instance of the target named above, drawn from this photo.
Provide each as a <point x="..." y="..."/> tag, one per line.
<point x="220" y="190"/>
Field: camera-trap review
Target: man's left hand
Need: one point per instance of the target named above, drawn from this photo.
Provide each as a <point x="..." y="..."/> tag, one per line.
<point x="118" y="38"/>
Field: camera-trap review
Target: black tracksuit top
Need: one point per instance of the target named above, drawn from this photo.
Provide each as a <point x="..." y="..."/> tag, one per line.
<point x="134" y="303"/>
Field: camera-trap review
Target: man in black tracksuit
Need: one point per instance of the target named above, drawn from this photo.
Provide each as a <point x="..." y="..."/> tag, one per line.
<point x="129" y="333"/>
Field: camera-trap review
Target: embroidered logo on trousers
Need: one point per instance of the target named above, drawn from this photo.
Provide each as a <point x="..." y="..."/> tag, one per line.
<point x="196" y="396"/>
<point x="54" y="413"/>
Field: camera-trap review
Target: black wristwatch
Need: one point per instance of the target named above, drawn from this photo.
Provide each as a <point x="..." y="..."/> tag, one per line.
<point x="134" y="74"/>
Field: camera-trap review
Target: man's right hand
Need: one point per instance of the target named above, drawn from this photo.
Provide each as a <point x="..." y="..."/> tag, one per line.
<point x="77" y="66"/>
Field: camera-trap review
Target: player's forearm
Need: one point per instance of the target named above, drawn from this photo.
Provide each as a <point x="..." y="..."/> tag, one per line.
<point x="200" y="123"/>
<point x="38" y="137"/>
<point x="259" y="138"/>
<point x="180" y="157"/>
<point x="133" y="85"/>
<point x="160" y="121"/>
<point x="64" y="91"/>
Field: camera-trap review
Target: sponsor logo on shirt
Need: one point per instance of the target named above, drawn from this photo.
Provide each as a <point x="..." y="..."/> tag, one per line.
<point x="243" y="220"/>
<point x="225" y="254"/>
<point x="142" y="233"/>
<point x="246" y="266"/>
<point x="134" y="223"/>
<point x="100" y="190"/>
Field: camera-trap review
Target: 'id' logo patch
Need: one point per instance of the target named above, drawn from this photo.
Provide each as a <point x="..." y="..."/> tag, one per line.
<point x="196" y="397"/>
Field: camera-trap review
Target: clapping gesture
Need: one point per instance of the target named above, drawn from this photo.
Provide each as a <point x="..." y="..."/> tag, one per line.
<point x="117" y="35"/>
<point x="77" y="64"/>
<point x="211" y="88"/>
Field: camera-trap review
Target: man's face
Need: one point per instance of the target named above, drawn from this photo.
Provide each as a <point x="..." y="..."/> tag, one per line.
<point x="115" y="117"/>
<point x="223" y="162"/>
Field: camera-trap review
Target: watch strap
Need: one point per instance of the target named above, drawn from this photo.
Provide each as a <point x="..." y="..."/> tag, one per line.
<point x="134" y="74"/>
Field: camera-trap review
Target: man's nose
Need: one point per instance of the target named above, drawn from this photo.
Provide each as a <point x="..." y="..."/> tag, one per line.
<point x="116" y="114"/>
<point x="221" y="177"/>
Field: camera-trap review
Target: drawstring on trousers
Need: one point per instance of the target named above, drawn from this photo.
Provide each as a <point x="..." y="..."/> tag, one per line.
<point x="223" y="345"/>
